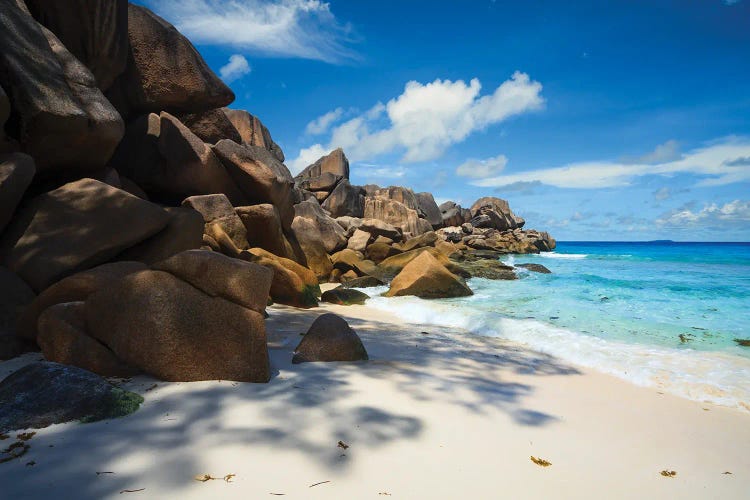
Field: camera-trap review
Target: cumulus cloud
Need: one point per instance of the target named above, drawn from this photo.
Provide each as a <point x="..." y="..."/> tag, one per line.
<point x="237" y="67"/>
<point x="736" y="211"/>
<point x="305" y="29"/>
<point x="480" y="169"/>
<point x="668" y="151"/>
<point x="716" y="165"/>
<point x="321" y="124"/>
<point x="426" y="119"/>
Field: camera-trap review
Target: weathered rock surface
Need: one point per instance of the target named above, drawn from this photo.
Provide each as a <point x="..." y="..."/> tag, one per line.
<point x="164" y="71"/>
<point x="378" y="252"/>
<point x="424" y="240"/>
<point x="345" y="296"/>
<point x="430" y="209"/>
<point x="345" y="199"/>
<point x="260" y="176"/>
<point x="63" y="339"/>
<point x="536" y="268"/>
<point x="325" y="182"/>
<point x="292" y="284"/>
<point x="61" y="118"/>
<point x="172" y="330"/>
<point x="42" y="394"/>
<point x="16" y="173"/>
<point x="73" y="289"/>
<point x="396" y="214"/>
<point x="394" y="264"/>
<point x="15" y="296"/>
<point x="363" y="282"/>
<point x="452" y="214"/>
<point x="264" y="230"/>
<point x="334" y="163"/>
<point x="331" y="234"/>
<point x="184" y="231"/>
<point x="75" y="227"/>
<point x="253" y="132"/>
<point x="427" y="278"/>
<point x="217" y="210"/>
<point x="211" y="126"/>
<point x="359" y="240"/>
<point x="309" y="236"/>
<point x="94" y="31"/>
<point x="330" y="338"/>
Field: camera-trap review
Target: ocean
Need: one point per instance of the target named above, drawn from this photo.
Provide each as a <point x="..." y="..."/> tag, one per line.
<point x="659" y="314"/>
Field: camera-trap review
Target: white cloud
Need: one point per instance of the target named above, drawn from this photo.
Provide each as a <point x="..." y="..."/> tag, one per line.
<point x="321" y="124"/>
<point x="290" y="28"/>
<point x="710" y="215"/>
<point x="668" y="151"/>
<point x="481" y="169"/>
<point x="237" y="67"/>
<point x="426" y="119"/>
<point x="716" y="164"/>
<point x="662" y="194"/>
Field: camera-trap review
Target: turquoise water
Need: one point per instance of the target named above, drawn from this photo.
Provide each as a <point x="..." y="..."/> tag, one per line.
<point x="659" y="314"/>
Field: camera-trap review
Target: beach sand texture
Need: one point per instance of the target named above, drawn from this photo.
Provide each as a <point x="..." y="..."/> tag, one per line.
<point x="435" y="413"/>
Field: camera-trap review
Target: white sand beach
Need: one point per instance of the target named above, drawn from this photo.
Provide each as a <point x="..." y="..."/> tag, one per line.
<point x="433" y="414"/>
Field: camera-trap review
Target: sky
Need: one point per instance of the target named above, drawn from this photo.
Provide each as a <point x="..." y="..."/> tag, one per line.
<point x="596" y="120"/>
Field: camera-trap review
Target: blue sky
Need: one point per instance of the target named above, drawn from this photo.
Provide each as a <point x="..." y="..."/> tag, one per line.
<point x="600" y="120"/>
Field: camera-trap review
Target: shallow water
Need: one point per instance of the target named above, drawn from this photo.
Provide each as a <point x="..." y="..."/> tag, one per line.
<point x="658" y="314"/>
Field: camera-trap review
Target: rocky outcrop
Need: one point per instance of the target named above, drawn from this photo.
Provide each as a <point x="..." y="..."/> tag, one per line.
<point x="164" y="71"/>
<point x="345" y="199"/>
<point x="261" y="177"/>
<point x="330" y="232"/>
<point x="363" y="282"/>
<point x="15" y="296"/>
<point x="494" y="213"/>
<point x="16" y="172"/>
<point x="308" y="235"/>
<point x="42" y="394"/>
<point x="73" y="289"/>
<point x="453" y="214"/>
<point x="75" y="227"/>
<point x="330" y="338"/>
<point x="427" y="278"/>
<point x="426" y="203"/>
<point x="172" y="330"/>
<point x="334" y="163"/>
<point x="212" y="126"/>
<point x="535" y="268"/>
<point x="264" y="230"/>
<point x="396" y="214"/>
<point x="218" y="212"/>
<point x="60" y="117"/>
<point x="292" y="284"/>
<point x="344" y="296"/>
<point x="253" y="132"/>
<point x="94" y="31"/>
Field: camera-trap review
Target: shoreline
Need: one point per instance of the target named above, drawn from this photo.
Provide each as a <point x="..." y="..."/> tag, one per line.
<point x="435" y="415"/>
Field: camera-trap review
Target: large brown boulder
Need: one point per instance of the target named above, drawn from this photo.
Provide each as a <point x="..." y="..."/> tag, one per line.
<point x="290" y="285"/>
<point x="430" y="209"/>
<point x="168" y="328"/>
<point x="211" y="126"/>
<point x="423" y="240"/>
<point x="325" y="182"/>
<point x="396" y="214"/>
<point x="60" y="118"/>
<point x="400" y="194"/>
<point x="334" y="163"/>
<point x="380" y="228"/>
<point x="164" y="71"/>
<point x="15" y="296"/>
<point x="253" y="132"/>
<point x="427" y="278"/>
<point x="76" y="227"/>
<point x="217" y="210"/>
<point x="359" y="240"/>
<point x="393" y="265"/>
<point x="344" y="200"/>
<point x="330" y="338"/>
<point x="309" y="237"/>
<point x="94" y="31"/>
<point x="328" y="231"/>
<point x="494" y="213"/>
<point x="73" y="289"/>
<point x="217" y="275"/>
<point x="378" y="252"/>
<point x="63" y="339"/>
<point x="263" y="225"/>
<point x="261" y="177"/>
<point x="184" y="231"/>
<point x="16" y="173"/>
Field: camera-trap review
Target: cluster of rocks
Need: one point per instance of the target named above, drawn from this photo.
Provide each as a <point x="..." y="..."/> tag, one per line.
<point x="145" y="226"/>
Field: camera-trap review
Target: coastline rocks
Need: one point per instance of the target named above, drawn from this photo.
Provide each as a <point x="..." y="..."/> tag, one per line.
<point x="77" y="226"/>
<point x="95" y="31"/>
<point x="309" y="238"/>
<point x="16" y="173"/>
<point x="334" y="163"/>
<point x="63" y="339"/>
<point x="15" y="296"/>
<point x="170" y="329"/>
<point x="452" y="214"/>
<point x="211" y="126"/>
<point x="73" y="289"/>
<point x="63" y="120"/>
<point x="394" y="264"/>
<point x="217" y="211"/>
<point x="292" y="284"/>
<point x="363" y="282"/>
<point x="263" y="225"/>
<point x="329" y="232"/>
<point x="487" y="269"/>
<point x="330" y="338"/>
<point x="216" y="275"/>
<point x="344" y="296"/>
<point x="164" y="71"/>
<point x="426" y="203"/>
<point x="253" y="132"/>
<point x="536" y="268"/>
<point x="261" y="177"/>
<point x="42" y="394"/>
<point x="396" y="214"/>
<point x="427" y="278"/>
<point x="359" y="240"/>
<point x="344" y="200"/>
<point x="378" y="252"/>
